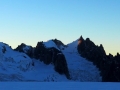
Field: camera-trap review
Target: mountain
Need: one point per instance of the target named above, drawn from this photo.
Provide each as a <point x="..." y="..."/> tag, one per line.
<point x="52" y="61"/>
<point x="64" y="59"/>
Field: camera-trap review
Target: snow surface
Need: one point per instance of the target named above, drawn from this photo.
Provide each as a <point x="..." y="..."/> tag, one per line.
<point x="43" y="73"/>
<point x="12" y="63"/>
<point x="50" y="44"/>
<point x="72" y="47"/>
<point x="58" y="86"/>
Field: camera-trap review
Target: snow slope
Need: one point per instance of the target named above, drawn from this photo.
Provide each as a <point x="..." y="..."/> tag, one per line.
<point x="71" y="47"/>
<point x="43" y="73"/>
<point x="80" y="69"/>
<point x="50" y="44"/>
<point x="12" y="63"/>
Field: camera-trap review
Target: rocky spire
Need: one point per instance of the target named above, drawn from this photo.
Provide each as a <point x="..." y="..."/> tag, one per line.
<point x="118" y="54"/>
<point x="81" y="38"/>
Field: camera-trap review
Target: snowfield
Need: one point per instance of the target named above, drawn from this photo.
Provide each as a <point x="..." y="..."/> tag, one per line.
<point x="58" y="86"/>
<point x="50" y="44"/>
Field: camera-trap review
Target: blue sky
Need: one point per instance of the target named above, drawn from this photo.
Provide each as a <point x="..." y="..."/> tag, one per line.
<point x="30" y="21"/>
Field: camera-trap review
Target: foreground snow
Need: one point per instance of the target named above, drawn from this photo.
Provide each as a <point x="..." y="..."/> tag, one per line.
<point x="58" y="86"/>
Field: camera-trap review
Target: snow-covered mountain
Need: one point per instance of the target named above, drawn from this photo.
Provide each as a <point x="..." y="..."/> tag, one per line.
<point x="50" y="61"/>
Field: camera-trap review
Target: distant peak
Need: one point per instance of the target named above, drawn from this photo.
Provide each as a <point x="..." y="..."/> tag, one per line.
<point x="87" y="39"/>
<point x="118" y="54"/>
<point x="23" y="44"/>
<point x="101" y="45"/>
<point x="81" y="38"/>
<point x="58" y="42"/>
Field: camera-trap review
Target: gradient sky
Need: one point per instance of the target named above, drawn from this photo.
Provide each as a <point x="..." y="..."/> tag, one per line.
<point x="30" y="21"/>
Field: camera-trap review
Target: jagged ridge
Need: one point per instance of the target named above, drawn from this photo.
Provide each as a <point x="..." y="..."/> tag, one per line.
<point x="108" y="65"/>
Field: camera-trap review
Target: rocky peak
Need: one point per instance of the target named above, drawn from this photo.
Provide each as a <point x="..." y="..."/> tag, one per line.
<point x="87" y="39"/>
<point x="80" y="40"/>
<point x="59" y="43"/>
<point x="20" y="47"/>
<point x="25" y="49"/>
<point x="110" y="55"/>
<point x="101" y="46"/>
<point x="118" y="54"/>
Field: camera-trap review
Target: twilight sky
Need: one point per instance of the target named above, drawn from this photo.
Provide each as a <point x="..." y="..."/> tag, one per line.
<point x="30" y="21"/>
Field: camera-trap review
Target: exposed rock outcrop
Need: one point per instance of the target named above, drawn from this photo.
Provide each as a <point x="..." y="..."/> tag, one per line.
<point x="107" y="64"/>
<point x="59" y="44"/>
<point x="61" y="65"/>
<point x="25" y="49"/>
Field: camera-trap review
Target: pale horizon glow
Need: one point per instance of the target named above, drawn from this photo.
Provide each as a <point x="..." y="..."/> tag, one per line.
<point x="30" y="21"/>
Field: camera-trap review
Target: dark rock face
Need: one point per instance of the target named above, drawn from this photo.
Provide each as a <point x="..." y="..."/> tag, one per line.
<point x="20" y="47"/>
<point x="53" y="56"/>
<point x="47" y="55"/>
<point x="108" y="65"/>
<point x="39" y="51"/>
<point x="90" y="51"/>
<point x="61" y="65"/>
